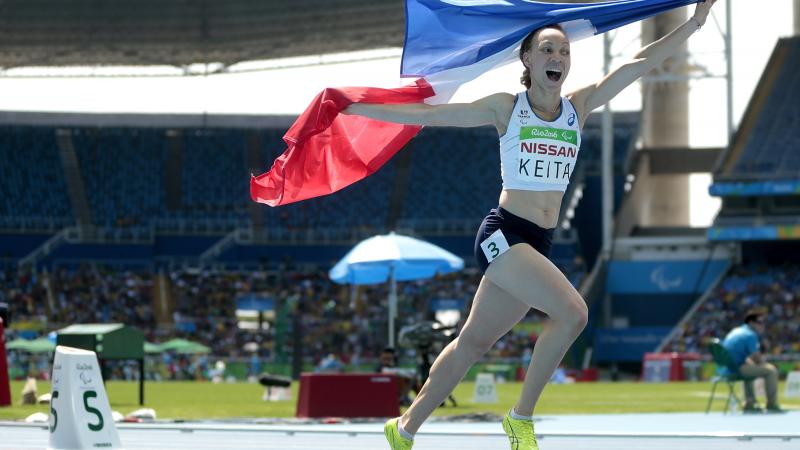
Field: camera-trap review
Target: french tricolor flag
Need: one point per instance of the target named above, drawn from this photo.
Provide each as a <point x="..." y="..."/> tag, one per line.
<point x="447" y="44"/>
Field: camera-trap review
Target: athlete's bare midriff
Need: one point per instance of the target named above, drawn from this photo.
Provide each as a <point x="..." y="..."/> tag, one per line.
<point x="539" y="207"/>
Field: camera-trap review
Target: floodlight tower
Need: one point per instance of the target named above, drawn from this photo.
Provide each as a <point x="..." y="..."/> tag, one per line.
<point x="665" y="124"/>
<point x="660" y="198"/>
<point x="656" y="199"/>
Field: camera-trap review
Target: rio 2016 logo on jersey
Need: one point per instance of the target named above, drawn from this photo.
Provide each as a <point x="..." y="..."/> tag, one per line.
<point x="557" y="134"/>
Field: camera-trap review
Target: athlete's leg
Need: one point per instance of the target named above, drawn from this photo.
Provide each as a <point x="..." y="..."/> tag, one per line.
<point x="533" y="279"/>
<point x="493" y="313"/>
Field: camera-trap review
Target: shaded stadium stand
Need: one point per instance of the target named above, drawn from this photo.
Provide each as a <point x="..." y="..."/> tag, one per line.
<point x="34" y="194"/>
<point x="758" y="178"/>
<point x="174" y="192"/>
<point x="214" y="176"/>
<point x="770" y="147"/>
<point x="207" y="181"/>
<point x="123" y="171"/>
<point x="765" y="146"/>
<point x="209" y="200"/>
<point x="126" y="172"/>
<point x="454" y="176"/>
<point x="16" y="246"/>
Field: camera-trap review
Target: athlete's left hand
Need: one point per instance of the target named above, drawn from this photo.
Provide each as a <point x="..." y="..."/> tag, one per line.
<point x="701" y="11"/>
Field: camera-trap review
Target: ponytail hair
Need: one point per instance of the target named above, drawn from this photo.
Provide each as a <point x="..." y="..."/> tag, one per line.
<point x="525" y="79"/>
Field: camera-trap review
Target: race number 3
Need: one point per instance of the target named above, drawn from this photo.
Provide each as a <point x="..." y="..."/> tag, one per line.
<point x="495" y="245"/>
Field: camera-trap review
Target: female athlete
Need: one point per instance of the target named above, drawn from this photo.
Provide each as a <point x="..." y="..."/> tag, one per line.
<point x="539" y="133"/>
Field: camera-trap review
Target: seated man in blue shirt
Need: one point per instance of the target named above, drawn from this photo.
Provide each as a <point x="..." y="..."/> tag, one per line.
<point x="745" y="347"/>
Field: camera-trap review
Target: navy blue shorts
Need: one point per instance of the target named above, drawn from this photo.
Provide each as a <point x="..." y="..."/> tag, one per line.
<point x="501" y="229"/>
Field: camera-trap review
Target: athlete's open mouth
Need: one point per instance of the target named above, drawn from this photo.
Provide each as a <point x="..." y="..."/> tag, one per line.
<point x="553" y="75"/>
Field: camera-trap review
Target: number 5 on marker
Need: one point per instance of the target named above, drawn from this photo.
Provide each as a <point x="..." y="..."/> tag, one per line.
<point x="91" y="410"/>
<point x="53" y="411"/>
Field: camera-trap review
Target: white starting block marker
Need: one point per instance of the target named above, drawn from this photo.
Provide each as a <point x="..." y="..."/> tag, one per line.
<point x="80" y="416"/>
<point x="792" y="385"/>
<point x="485" y="389"/>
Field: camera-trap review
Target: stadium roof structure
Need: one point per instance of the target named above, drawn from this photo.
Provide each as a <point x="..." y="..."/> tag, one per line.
<point x="52" y="33"/>
<point x="183" y="32"/>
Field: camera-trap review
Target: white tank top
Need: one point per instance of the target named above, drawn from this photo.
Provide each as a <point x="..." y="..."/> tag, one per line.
<point x="537" y="155"/>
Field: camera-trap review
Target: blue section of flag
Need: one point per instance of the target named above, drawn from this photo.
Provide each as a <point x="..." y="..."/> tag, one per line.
<point x="445" y="34"/>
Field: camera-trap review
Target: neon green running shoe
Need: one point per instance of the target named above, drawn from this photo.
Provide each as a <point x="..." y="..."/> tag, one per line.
<point x="396" y="442"/>
<point x="520" y="433"/>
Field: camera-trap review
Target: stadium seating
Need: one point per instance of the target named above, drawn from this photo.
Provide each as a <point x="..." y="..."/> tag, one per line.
<point x="32" y="180"/>
<point x="123" y="173"/>
<point x="214" y="176"/>
<point x="771" y="148"/>
<point x="454" y="175"/>
<point x="126" y="175"/>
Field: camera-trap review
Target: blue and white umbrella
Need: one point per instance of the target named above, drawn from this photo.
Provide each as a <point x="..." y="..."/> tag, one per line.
<point x="393" y="257"/>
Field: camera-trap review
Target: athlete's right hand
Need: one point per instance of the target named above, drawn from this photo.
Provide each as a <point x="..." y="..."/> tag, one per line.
<point x="701" y="11"/>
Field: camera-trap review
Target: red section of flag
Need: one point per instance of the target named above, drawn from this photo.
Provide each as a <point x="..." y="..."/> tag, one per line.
<point x="328" y="151"/>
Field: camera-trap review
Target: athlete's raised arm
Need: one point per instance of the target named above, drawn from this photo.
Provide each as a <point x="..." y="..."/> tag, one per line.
<point x="648" y="58"/>
<point x="490" y="110"/>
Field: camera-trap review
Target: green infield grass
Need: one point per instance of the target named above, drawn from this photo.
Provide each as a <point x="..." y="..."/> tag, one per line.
<point x="203" y="400"/>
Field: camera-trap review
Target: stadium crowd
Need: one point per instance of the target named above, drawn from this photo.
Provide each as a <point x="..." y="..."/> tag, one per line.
<point x="332" y="319"/>
<point x="775" y="289"/>
<point x="88" y="295"/>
